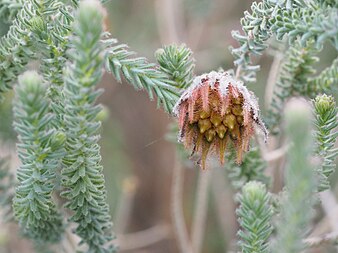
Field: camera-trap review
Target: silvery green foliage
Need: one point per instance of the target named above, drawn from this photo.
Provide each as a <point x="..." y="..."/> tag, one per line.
<point x="296" y="207"/>
<point x="294" y="19"/>
<point x="307" y="26"/>
<point x="314" y="22"/>
<point x="256" y="27"/>
<point x="16" y="48"/>
<point x="141" y="74"/>
<point x="293" y="79"/>
<point x="39" y="25"/>
<point x="39" y="148"/>
<point x="325" y="82"/>
<point x="9" y="9"/>
<point x="254" y="216"/>
<point x="51" y="28"/>
<point x="6" y="189"/>
<point x="82" y="175"/>
<point x="326" y="121"/>
<point x="178" y="63"/>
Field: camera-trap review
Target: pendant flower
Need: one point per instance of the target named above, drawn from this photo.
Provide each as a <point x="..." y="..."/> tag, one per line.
<point x="215" y="111"/>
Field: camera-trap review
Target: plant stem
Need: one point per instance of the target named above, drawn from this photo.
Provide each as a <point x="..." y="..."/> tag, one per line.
<point x="330" y="207"/>
<point x="180" y="228"/>
<point x="201" y="208"/>
<point x="272" y="78"/>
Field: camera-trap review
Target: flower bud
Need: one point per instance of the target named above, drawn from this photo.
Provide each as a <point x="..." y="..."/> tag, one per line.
<point x="214" y="109"/>
<point x="30" y="83"/>
<point x="324" y="103"/>
<point x="57" y="140"/>
<point x="38" y="26"/>
<point x="103" y="115"/>
<point x="204" y="125"/>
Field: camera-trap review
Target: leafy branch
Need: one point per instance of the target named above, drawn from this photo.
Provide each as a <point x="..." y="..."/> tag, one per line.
<point x="178" y="63"/>
<point x="82" y="175"/>
<point x="254" y="216"/>
<point x="141" y="74"/>
<point x="16" y="48"/>
<point x="282" y="18"/>
<point x="40" y="148"/>
<point x="292" y="80"/>
<point x="326" y="121"/>
<point x="299" y="179"/>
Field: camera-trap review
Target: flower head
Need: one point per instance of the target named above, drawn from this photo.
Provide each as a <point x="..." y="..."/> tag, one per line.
<point x="214" y="111"/>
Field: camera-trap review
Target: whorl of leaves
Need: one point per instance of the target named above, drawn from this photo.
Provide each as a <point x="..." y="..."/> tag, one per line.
<point x="326" y="121"/>
<point x="178" y="63"/>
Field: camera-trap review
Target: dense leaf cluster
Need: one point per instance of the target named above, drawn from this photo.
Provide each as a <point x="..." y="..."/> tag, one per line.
<point x="296" y="20"/>
<point x="326" y="134"/>
<point x="293" y="79"/>
<point x="48" y="129"/>
<point x="300" y="181"/>
<point x="39" y="148"/>
<point x="82" y="175"/>
<point x="254" y="216"/>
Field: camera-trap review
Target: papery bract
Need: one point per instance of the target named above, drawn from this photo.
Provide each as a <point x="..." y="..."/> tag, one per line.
<point x="215" y="110"/>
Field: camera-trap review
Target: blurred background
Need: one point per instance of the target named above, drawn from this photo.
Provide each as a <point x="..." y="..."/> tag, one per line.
<point x="137" y="156"/>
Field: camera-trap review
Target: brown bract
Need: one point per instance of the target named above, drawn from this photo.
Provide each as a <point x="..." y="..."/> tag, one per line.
<point x="213" y="112"/>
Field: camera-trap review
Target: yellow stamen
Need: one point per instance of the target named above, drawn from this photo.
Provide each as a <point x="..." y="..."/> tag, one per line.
<point x="198" y="143"/>
<point x="215" y="119"/>
<point x="221" y="130"/>
<point x="237" y="101"/>
<point x="210" y="134"/>
<point x="230" y="121"/>
<point x="237" y="110"/>
<point x="222" y="147"/>
<point x="205" y="114"/>
<point x="204" y="125"/>
<point x="235" y="133"/>
<point x="205" y="150"/>
<point x="240" y="119"/>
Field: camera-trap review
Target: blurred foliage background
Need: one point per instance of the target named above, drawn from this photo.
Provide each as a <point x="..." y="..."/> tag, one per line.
<point x="137" y="157"/>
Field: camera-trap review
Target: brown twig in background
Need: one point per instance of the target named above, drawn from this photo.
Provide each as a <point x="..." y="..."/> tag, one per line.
<point x="330" y="207"/>
<point x="224" y="204"/>
<point x="169" y="20"/>
<point x="71" y="241"/>
<point x="129" y="186"/>
<point x="179" y="224"/>
<point x="238" y="72"/>
<point x="273" y="155"/>
<point x="201" y="208"/>
<point x="272" y="77"/>
<point x="143" y="238"/>
<point x="320" y="240"/>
